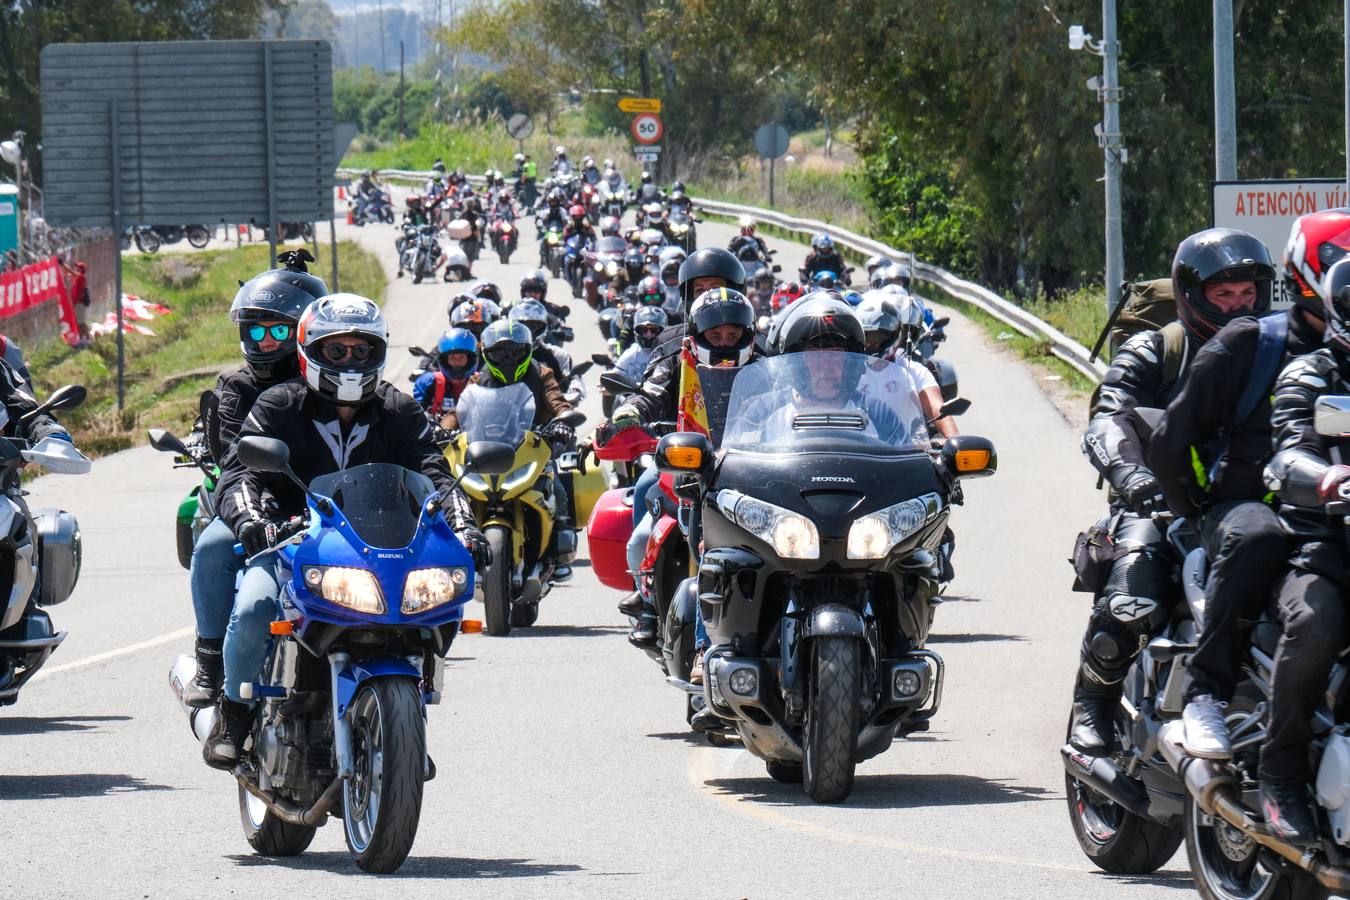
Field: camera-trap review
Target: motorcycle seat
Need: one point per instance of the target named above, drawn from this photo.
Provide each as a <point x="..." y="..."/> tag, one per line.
<point x="1266" y="635"/>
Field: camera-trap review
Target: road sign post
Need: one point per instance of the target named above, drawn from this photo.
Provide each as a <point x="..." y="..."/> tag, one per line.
<point x="771" y="141"/>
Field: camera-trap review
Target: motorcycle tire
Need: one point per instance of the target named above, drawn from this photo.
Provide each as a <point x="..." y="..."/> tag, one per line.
<point x="387" y="216"/>
<point x="417" y="277"/>
<point x="504" y="256"/>
<point x="198" y="236"/>
<point x="523" y="615"/>
<point x="555" y="266"/>
<point x="497" y="583"/>
<point x="784" y="772"/>
<point x="267" y="834"/>
<point x="1216" y="874"/>
<point x="1114" y="839"/>
<point x="380" y="810"/>
<point x="830" y="736"/>
<point x="147" y="242"/>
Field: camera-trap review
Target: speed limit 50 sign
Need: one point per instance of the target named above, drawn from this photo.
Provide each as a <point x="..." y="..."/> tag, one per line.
<point x="647" y="128"/>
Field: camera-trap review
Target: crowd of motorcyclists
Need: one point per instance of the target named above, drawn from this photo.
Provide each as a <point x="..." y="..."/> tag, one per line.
<point x="1208" y="432"/>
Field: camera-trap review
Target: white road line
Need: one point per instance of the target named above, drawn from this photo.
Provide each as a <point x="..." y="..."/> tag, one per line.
<point x="113" y="654"/>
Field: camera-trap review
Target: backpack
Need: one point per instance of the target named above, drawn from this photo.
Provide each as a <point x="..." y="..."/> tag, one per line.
<point x="1149" y="305"/>
<point x="1173" y="359"/>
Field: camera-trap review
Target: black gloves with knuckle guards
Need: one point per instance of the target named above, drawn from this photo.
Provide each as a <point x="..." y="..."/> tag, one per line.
<point x="258" y="535"/>
<point x="1140" y="489"/>
<point x="563" y="434"/>
<point x="478" y="547"/>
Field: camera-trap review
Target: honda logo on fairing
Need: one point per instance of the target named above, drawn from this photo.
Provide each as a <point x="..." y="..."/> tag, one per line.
<point x="834" y="479"/>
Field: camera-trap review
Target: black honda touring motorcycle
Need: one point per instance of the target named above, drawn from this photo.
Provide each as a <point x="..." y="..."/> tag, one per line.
<point x="821" y="524"/>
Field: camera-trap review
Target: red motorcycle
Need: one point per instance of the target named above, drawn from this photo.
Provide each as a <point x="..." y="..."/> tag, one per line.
<point x="504" y="236"/>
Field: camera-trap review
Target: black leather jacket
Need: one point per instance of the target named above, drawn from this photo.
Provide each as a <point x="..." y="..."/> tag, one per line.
<point x="1112" y="442"/>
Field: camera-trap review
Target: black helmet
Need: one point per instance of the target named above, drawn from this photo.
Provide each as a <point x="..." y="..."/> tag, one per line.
<point x="484" y="290"/>
<point x="722" y="306"/>
<point x="275" y="295"/>
<point x="1212" y="256"/>
<point x="634" y="262"/>
<point x="507" y="349"/>
<point x="534" y="283"/>
<point x="1336" y="288"/>
<point x="820" y="320"/>
<point x="677" y="186"/>
<point x="349" y="380"/>
<point x="710" y="262"/>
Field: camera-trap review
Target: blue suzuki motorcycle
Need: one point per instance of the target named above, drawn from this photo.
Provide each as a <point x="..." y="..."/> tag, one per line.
<point x="374" y="588"/>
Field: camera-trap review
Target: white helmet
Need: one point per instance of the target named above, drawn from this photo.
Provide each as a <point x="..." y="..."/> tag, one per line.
<point x="345" y="378"/>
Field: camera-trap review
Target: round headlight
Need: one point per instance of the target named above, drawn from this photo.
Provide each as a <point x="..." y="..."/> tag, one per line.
<point x="743" y="682"/>
<point x="869" y="538"/>
<point x="795" y="537"/>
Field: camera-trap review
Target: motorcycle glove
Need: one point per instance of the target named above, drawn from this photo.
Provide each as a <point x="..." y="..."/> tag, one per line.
<point x="258" y="535"/>
<point x="478" y="547"/>
<point x="1140" y="489"/>
<point x="1328" y="489"/>
<point x="563" y="434"/>
<point x="625" y="416"/>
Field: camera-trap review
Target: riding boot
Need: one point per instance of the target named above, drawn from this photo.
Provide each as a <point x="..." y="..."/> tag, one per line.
<point x="204" y="688"/>
<point x="645" y="633"/>
<point x="1092" y="725"/>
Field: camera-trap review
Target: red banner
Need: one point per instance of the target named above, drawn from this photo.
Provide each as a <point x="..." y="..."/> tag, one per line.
<point x="34" y="285"/>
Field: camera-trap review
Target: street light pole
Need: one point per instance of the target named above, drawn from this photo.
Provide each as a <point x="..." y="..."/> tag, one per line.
<point x="1225" y="94"/>
<point x="1108" y="138"/>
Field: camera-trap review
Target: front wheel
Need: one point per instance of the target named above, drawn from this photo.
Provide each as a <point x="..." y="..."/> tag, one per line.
<point x="830" y="742"/>
<point x="147" y="241"/>
<point x="267" y="834"/>
<point x="497" y="582"/>
<point x="198" y="236"/>
<point x="382" y="801"/>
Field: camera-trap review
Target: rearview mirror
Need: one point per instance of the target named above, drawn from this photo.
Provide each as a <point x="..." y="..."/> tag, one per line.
<point x="1331" y="416"/>
<point x="264" y="454"/>
<point x="617" y="384"/>
<point x="942" y="322"/>
<point x="68" y="397"/>
<point x="968" y="456"/>
<point x="418" y="351"/>
<point x="572" y="418"/>
<point x="775" y="268"/>
<point x="582" y="368"/>
<point x="955" y="407"/>
<point x="165" y="442"/>
<point x="489" y="457"/>
<point x="602" y="359"/>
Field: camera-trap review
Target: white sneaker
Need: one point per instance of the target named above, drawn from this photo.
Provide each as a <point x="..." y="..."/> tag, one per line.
<point x="1206" y="731"/>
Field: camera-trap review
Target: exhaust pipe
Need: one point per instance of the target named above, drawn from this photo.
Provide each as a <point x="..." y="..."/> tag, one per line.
<point x="1102" y="775"/>
<point x="180" y="676"/>
<point x="313" y="817"/>
<point x="1217" y="793"/>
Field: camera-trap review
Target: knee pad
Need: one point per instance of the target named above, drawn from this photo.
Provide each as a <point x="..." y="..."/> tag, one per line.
<point x="1136" y="591"/>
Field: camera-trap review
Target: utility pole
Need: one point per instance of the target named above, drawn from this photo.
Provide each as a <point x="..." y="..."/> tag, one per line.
<point x="1108" y="138"/>
<point x="379" y="9"/>
<point x="1347" y="95"/>
<point x="1225" y="102"/>
<point x="401" y="131"/>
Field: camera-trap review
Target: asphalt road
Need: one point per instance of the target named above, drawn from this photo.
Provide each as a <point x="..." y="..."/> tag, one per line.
<point x="565" y="764"/>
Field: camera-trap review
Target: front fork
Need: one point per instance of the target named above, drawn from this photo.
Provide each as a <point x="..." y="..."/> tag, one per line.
<point x="342" y="726"/>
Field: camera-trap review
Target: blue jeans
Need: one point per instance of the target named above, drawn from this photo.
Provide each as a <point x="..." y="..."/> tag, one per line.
<point x="247" y="637"/>
<point x="641" y="488"/>
<point x="214" y="567"/>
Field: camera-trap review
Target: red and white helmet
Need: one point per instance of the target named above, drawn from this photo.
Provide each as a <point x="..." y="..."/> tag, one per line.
<point x="1316" y="241"/>
<point x="349" y="379"/>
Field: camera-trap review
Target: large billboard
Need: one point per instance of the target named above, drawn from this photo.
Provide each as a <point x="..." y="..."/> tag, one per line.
<point x="1268" y="208"/>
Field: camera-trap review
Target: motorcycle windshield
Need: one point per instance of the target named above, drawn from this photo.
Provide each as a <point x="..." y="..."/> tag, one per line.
<point x="716" y="383"/>
<point x="382" y="502"/>
<point x="825" y="400"/>
<point x="611" y="247"/>
<point x="501" y="414"/>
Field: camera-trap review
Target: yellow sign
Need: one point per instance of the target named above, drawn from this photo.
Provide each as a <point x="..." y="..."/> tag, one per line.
<point x="639" y="105"/>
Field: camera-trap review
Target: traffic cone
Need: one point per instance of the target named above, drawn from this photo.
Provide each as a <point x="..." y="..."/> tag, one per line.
<point x="342" y="192"/>
<point x="351" y="220"/>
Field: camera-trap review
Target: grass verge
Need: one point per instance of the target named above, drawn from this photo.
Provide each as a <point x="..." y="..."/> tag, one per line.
<point x="1080" y="314"/>
<point x="196" y="337"/>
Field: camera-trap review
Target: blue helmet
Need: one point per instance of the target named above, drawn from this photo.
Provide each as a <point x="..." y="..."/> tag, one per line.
<point x="457" y="340"/>
<point x="851" y="297"/>
<point x="822" y="241"/>
<point x="825" y="280"/>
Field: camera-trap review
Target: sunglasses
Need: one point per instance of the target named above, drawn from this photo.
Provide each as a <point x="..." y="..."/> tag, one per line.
<point x="336" y="353"/>
<point x="278" y="332"/>
<point x="649" y="332"/>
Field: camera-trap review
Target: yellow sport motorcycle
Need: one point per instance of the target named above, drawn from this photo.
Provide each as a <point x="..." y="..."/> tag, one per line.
<point x="517" y="511"/>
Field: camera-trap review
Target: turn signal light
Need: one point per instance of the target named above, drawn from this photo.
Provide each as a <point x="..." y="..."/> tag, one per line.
<point x="282" y="627"/>
<point x="684" y="457"/>
<point x="972" y="460"/>
<point x="471" y="626"/>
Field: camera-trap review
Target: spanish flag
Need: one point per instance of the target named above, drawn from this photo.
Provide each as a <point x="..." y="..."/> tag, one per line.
<point x="693" y="413"/>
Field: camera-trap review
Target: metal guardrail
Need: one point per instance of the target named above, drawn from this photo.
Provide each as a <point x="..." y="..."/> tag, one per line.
<point x="1010" y="314"/>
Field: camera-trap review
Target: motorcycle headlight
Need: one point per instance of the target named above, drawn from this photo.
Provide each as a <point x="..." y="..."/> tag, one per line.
<point x="599" y="267"/>
<point x="612" y="268"/>
<point x="470" y="480"/>
<point x="346" y="586"/>
<point x="518" y="478"/>
<point x="792" y="535"/>
<point x="872" y="536"/>
<point x="426" y="589"/>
